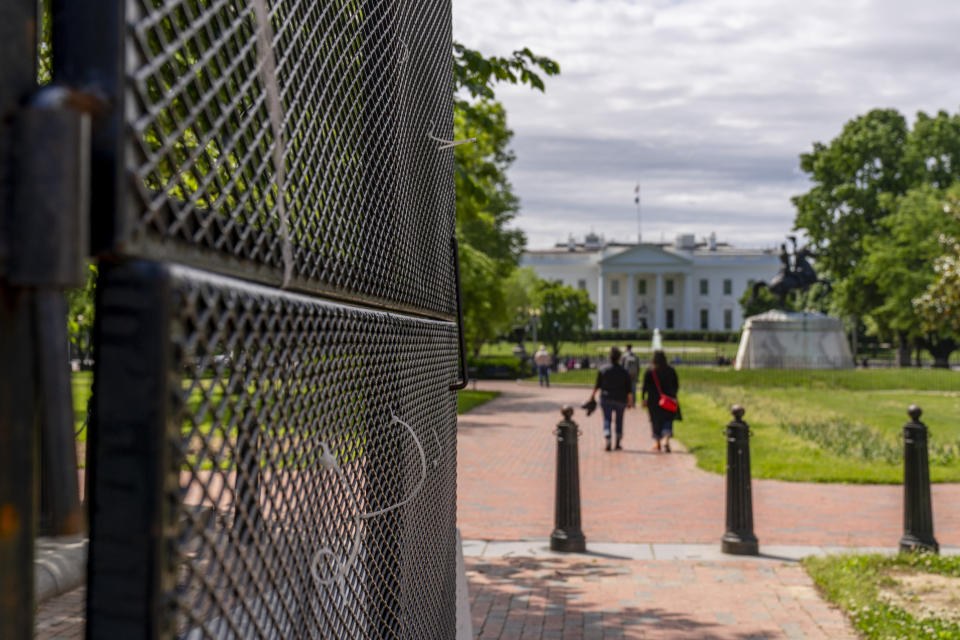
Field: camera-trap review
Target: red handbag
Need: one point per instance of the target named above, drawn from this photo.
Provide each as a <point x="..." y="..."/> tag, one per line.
<point x="666" y="402"/>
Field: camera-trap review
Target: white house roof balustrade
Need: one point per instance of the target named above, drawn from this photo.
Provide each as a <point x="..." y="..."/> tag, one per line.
<point x="687" y="284"/>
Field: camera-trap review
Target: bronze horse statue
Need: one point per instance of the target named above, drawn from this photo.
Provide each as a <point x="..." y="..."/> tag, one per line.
<point x="791" y="277"/>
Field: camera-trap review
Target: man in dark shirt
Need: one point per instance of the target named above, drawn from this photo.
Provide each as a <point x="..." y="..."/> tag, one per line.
<point x="616" y="394"/>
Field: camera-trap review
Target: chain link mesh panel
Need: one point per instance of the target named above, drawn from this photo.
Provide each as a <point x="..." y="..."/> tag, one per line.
<point x="349" y="93"/>
<point x="303" y="457"/>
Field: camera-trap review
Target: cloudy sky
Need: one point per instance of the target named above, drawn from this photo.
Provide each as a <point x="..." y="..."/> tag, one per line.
<point x="708" y="103"/>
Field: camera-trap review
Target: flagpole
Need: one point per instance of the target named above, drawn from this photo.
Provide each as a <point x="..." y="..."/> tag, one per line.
<point x="636" y="199"/>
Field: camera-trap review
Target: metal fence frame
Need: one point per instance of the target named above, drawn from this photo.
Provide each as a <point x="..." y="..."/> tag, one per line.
<point x="395" y="276"/>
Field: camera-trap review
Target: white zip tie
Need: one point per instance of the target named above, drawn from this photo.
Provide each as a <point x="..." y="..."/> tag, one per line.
<point x="447" y="144"/>
<point x="268" y="74"/>
<point x="329" y="461"/>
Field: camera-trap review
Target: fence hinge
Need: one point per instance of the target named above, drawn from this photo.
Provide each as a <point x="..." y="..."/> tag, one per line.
<point x="48" y="219"/>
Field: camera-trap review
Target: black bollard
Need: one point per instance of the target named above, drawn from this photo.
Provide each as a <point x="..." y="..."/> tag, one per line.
<point x="567" y="535"/>
<point x="917" y="507"/>
<point x="739" y="538"/>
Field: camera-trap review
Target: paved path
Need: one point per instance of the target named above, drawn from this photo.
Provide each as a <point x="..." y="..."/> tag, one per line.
<point x="523" y="598"/>
<point x="507" y="458"/>
<point x="637" y="581"/>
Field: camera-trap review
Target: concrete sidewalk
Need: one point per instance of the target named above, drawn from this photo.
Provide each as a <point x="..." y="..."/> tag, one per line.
<point x="653" y="523"/>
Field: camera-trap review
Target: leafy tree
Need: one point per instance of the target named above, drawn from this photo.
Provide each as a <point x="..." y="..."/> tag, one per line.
<point x="899" y="266"/>
<point x="80" y="310"/>
<point x="838" y="213"/>
<point x="765" y="301"/>
<point x="486" y="205"/>
<point x="939" y="304"/>
<point x="564" y="314"/>
<point x="874" y="213"/>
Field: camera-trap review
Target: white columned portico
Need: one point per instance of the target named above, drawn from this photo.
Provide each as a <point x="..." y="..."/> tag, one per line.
<point x="631" y="301"/>
<point x="688" y="301"/>
<point x="658" y="307"/>
<point x="601" y="301"/>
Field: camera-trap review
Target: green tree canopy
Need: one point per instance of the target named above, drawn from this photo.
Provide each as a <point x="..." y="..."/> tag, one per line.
<point x="564" y="314"/>
<point x="874" y="213"/>
<point x="486" y="206"/>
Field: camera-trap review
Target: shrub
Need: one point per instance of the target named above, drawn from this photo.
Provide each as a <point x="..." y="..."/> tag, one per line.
<point x="674" y="335"/>
<point x="499" y="367"/>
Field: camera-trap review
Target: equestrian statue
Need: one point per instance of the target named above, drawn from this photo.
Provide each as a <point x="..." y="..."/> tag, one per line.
<point x="796" y="273"/>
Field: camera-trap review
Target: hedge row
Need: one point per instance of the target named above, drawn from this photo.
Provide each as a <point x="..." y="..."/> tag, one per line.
<point x="499" y="367"/>
<point x="670" y="335"/>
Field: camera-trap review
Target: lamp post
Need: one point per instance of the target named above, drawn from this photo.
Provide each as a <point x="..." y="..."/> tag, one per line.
<point x="534" y="321"/>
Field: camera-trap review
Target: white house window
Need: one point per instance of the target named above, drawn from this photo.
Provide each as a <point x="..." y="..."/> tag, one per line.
<point x="704" y="287"/>
<point x="728" y="319"/>
<point x="668" y="283"/>
<point x="704" y="319"/>
<point x="641" y="287"/>
<point x="615" y="318"/>
<point x="728" y="287"/>
<point x="669" y="318"/>
<point x="615" y="287"/>
<point x="582" y="284"/>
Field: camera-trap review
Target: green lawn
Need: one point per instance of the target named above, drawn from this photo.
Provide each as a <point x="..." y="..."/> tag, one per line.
<point x="823" y="426"/>
<point x="467" y="399"/>
<point x="697" y="349"/>
<point x="891" y="596"/>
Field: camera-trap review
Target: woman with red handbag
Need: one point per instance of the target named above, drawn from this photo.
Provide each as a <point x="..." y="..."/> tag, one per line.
<point x="660" y="386"/>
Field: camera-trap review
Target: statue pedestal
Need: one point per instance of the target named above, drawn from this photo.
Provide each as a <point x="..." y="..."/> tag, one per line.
<point x="793" y="340"/>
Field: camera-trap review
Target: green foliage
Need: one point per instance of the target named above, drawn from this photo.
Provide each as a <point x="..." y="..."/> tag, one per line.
<point x="899" y="264"/>
<point x="875" y="213"/>
<point x="486" y="205"/>
<point x="468" y="399"/>
<point x="853" y="582"/>
<point x="939" y="304"/>
<point x="765" y="301"/>
<point x="816" y="426"/>
<point x="476" y="73"/>
<point x="849" y="175"/>
<point x="564" y="314"/>
<point x="669" y="335"/>
<point x="80" y="311"/>
<point x="500" y="367"/>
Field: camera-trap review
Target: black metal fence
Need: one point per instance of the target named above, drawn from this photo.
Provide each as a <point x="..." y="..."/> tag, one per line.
<point x="272" y="451"/>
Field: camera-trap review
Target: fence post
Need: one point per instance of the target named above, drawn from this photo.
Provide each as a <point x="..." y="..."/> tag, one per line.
<point x="739" y="538"/>
<point x="567" y="535"/>
<point x="917" y="506"/>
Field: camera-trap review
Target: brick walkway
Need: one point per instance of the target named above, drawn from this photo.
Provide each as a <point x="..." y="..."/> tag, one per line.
<point x="590" y="598"/>
<point x="62" y="617"/>
<point x="507" y="462"/>
<point x="507" y="458"/>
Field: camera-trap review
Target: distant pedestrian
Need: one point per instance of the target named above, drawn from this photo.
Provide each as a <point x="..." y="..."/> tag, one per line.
<point x="661" y="381"/>
<point x="631" y="363"/>
<point x="543" y="361"/>
<point x="613" y="382"/>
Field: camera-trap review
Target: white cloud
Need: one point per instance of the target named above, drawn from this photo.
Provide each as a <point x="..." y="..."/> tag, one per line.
<point x="708" y="102"/>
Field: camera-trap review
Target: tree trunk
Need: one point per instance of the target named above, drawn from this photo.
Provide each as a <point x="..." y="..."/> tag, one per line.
<point x="903" y="350"/>
<point x="941" y="349"/>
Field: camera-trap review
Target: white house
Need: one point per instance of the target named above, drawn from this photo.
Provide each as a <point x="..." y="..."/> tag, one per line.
<point x="685" y="285"/>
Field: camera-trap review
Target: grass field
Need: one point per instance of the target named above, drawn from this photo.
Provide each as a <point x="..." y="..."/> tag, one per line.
<point x="905" y="596"/>
<point x="82" y="382"/>
<point x="467" y="399"/>
<point x="824" y="426"/>
<point x="700" y="350"/>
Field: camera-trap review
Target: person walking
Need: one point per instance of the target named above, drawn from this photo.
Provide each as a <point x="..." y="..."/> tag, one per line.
<point x="613" y="383"/>
<point x="543" y="361"/>
<point x="631" y="363"/>
<point x="660" y="381"/>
